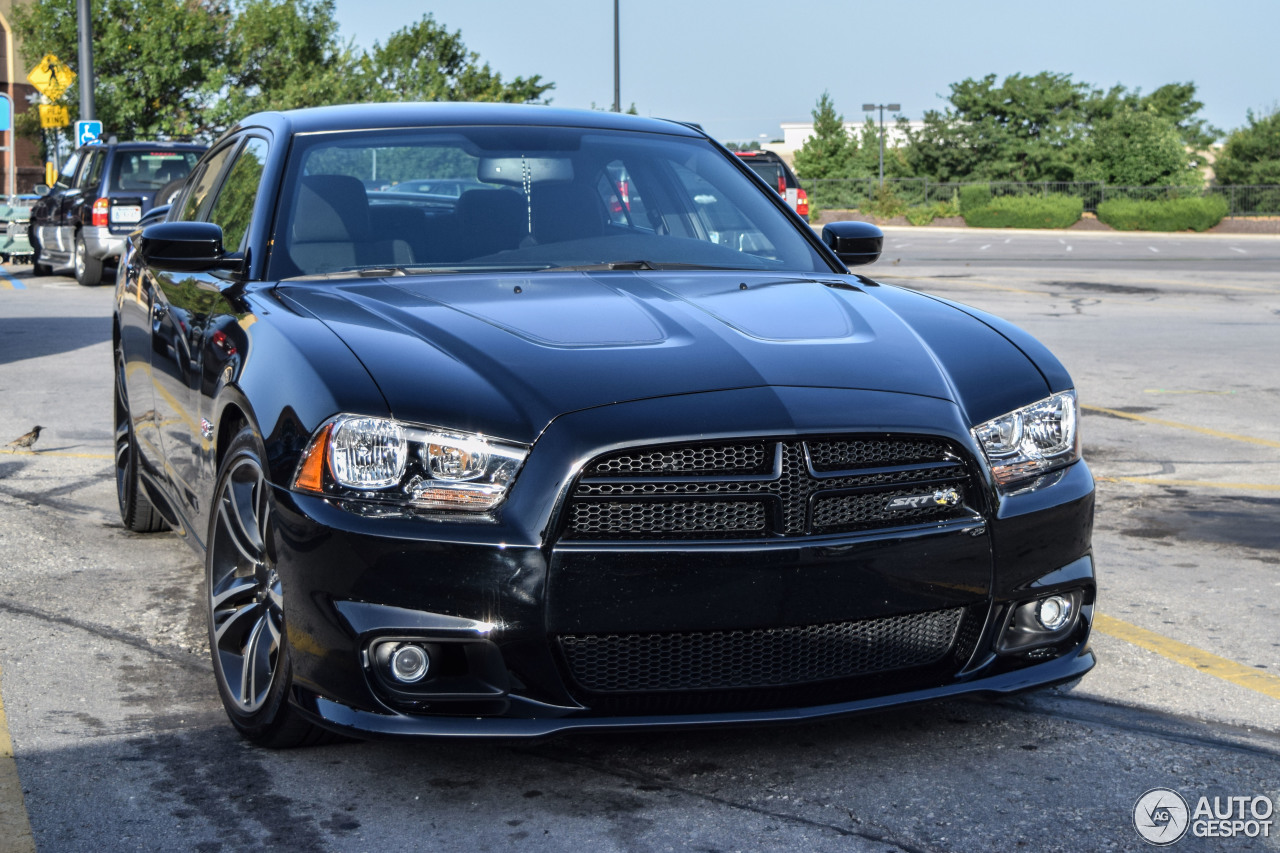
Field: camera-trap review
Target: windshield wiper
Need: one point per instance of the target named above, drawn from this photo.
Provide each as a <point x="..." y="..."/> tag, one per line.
<point x="641" y="265"/>
<point x="610" y="265"/>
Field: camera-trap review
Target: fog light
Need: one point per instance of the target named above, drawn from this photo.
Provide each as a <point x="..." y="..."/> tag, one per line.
<point x="1041" y="622"/>
<point x="1053" y="612"/>
<point x="409" y="663"/>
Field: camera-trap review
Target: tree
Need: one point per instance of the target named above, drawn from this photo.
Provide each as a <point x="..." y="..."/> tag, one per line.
<point x="1138" y="148"/>
<point x="156" y="61"/>
<point x="283" y="54"/>
<point x="1024" y="129"/>
<point x="176" y="68"/>
<point x="1251" y="154"/>
<point x="1176" y="102"/>
<point x="827" y="153"/>
<point x="425" y="62"/>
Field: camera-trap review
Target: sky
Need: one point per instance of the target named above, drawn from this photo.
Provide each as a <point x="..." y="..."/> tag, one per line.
<point x="742" y="68"/>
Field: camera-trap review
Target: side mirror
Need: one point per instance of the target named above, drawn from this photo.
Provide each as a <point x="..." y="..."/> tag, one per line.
<point x="855" y="243"/>
<point x="42" y="189"/>
<point x="185" y="247"/>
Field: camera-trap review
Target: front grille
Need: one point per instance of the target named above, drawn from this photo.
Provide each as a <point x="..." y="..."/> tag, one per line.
<point x="760" y="658"/>
<point x="762" y="489"/>
<point x="669" y="518"/>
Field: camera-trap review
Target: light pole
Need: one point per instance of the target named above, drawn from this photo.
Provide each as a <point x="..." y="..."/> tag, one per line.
<point x="617" y="86"/>
<point x="867" y="108"/>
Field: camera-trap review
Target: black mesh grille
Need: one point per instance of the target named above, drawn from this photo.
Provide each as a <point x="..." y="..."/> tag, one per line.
<point x="846" y="454"/>
<point x="729" y="660"/>
<point x="686" y="460"/>
<point x="872" y="509"/>
<point x="794" y="487"/>
<point x="606" y="520"/>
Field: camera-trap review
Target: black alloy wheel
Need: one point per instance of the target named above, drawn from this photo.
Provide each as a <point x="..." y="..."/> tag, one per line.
<point x="136" y="510"/>
<point x="88" y="269"/>
<point x="247" y="637"/>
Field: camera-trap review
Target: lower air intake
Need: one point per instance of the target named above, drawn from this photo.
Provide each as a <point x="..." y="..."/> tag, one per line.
<point x="766" y="657"/>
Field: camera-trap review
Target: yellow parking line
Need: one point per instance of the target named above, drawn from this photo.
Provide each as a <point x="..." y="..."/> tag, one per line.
<point x="1198" y="659"/>
<point x="15" y="826"/>
<point x="1156" y="481"/>
<point x="1265" y="442"/>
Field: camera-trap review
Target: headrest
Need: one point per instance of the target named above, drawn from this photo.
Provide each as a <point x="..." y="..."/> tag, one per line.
<point x="331" y="208"/>
<point x="563" y="211"/>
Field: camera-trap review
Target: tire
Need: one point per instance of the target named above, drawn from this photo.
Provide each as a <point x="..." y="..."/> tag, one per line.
<point x="169" y="192"/>
<point x="88" y="269"/>
<point x="136" y="510"/>
<point x="38" y="267"/>
<point x="247" y="637"/>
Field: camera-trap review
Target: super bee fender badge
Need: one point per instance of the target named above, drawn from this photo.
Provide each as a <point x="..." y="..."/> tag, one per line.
<point x="942" y="497"/>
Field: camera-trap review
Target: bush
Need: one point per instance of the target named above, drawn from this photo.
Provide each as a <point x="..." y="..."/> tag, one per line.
<point x="974" y="197"/>
<point x="1024" y="211"/>
<point x="1176" y="214"/>
<point x="923" y="214"/>
<point x="885" y="204"/>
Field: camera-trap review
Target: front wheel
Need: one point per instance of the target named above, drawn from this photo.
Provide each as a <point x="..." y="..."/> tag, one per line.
<point x="247" y="636"/>
<point x="88" y="269"/>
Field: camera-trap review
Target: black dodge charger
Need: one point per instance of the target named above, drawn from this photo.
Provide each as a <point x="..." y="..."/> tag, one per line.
<point x="611" y="439"/>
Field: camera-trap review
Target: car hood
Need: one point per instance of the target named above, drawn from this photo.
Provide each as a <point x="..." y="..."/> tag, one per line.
<point x="506" y="354"/>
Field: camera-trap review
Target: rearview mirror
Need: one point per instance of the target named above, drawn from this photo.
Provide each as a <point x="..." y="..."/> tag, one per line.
<point x="855" y="243"/>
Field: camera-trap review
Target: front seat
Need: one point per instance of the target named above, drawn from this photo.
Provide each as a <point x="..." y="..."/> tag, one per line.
<point x="491" y="221"/>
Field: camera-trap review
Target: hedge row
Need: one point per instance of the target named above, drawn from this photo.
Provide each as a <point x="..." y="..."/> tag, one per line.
<point x="1178" y="214"/>
<point x="1020" y="211"/>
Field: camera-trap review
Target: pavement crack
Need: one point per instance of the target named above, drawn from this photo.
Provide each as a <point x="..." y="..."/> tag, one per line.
<point x="195" y="663"/>
<point x="870" y="832"/>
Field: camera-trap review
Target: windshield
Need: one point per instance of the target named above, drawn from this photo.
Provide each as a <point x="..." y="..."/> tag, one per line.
<point x="150" y="170"/>
<point x="524" y="198"/>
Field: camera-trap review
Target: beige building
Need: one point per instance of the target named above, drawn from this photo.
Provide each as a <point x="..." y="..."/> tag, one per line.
<point x="13" y="83"/>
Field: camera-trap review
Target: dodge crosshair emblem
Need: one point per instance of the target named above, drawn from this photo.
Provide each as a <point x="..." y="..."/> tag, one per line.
<point x="942" y="497"/>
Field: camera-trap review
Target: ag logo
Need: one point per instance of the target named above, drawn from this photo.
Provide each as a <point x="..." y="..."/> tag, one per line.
<point x="942" y="497"/>
<point x="1160" y="816"/>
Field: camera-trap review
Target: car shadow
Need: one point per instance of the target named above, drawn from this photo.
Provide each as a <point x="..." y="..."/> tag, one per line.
<point x="35" y="337"/>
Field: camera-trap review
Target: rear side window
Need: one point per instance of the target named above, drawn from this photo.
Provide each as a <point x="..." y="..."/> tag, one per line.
<point x="233" y="207"/>
<point x="150" y="170"/>
<point x="205" y="182"/>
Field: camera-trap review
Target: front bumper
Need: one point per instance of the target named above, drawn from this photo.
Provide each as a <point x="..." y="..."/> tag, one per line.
<point x="497" y="597"/>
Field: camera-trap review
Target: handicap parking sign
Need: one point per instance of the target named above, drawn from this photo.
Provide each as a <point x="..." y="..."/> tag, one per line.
<point x="87" y="131"/>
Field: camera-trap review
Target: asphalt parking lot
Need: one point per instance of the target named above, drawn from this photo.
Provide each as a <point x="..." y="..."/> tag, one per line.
<point x="119" y="741"/>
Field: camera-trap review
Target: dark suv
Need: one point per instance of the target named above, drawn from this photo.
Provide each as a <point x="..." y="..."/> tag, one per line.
<point x="778" y="174"/>
<point x="102" y="192"/>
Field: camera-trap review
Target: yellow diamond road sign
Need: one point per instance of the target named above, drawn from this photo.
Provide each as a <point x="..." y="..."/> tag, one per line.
<point x="53" y="116"/>
<point x="51" y="77"/>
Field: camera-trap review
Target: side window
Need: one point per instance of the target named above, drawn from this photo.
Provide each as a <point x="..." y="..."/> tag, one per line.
<point x="722" y="221"/>
<point x="233" y="206"/>
<point x="617" y="187"/>
<point x="205" y="182"/>
<point x="91" y="169"/>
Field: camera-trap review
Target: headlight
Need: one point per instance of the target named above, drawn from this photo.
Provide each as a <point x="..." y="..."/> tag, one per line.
<point x="386" y="461"/>
<point x="1032" y="440"/>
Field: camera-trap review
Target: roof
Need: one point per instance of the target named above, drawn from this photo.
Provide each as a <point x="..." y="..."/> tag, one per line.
<point x="446" y="114"/>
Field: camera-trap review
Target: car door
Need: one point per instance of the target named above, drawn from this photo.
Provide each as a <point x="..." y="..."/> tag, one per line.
<point x="193" y="318"/>
<point x="74" y="200"/>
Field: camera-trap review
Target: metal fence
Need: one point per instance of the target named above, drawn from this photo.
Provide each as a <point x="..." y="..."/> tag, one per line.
<point x="853" y="193"/>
